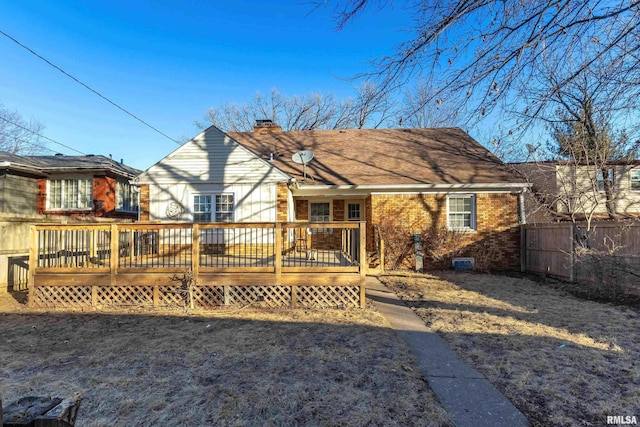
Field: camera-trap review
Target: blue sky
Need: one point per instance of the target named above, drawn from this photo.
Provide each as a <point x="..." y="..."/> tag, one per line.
<point x="167" y="62"/>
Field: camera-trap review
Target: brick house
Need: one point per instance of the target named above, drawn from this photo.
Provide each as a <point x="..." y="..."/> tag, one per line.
<point x="400" y="181"/>
<point x="78" y="186"/>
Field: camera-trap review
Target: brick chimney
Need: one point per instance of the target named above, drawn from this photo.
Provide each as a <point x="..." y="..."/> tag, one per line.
<point x="265" y="125"/>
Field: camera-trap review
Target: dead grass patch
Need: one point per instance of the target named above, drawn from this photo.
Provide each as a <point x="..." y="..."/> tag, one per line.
<point x="283" y="367"/>
<point x="560" y="359"/>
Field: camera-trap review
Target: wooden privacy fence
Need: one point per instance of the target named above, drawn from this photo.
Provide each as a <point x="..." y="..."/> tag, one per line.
<point x="552" y="249"/>
<point x="199" y="265"/>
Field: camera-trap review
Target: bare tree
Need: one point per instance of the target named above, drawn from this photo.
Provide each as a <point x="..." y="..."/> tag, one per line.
<point x="420" y="111"/>
<point x="593" y="125"/>
<point x="368" y="109"/>
<point x="476" y="53"/>
<point x="19" y="136"/>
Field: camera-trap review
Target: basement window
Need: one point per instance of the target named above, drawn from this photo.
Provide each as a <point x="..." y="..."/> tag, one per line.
<point x="461" y="212"/>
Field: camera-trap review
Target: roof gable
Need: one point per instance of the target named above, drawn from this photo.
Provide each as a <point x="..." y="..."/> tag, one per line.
<point x="381" y="156"/>
<point x="212" y="157"/>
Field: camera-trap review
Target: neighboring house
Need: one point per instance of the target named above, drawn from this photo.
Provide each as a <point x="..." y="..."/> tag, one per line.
<point x="88" y="185"/>
<point x="564" y="190"/>
<point x="416" y="178"/>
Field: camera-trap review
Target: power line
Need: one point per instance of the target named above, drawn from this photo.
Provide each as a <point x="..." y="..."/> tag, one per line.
<point x="41" y="136"/>
<point x="26" y="141"/>
<point x="87" y="87"/>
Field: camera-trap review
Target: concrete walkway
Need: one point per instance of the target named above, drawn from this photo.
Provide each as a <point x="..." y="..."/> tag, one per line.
<point x="468" y="398"/>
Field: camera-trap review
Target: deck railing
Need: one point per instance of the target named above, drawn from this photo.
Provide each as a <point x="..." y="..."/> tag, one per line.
<point x="271" y="263"/>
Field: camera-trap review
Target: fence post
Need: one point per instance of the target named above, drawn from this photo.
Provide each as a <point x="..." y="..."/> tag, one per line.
<point x="195" y="262"/>
<point x="33" y="264"/>
<point x="572" y="263"/>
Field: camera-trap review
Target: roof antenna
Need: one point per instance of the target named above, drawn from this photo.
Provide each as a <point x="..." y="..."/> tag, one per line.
<point x="302" y="158"/>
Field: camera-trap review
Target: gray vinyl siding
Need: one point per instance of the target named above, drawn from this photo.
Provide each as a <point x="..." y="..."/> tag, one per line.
<point x="18" y="194"/>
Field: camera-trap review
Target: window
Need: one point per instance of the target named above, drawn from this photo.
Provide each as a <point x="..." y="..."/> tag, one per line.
<point x="320" y="212"/>
<point x="461" y="213"/>
<point x="353" y="211"/>
<point x="127" y="197"/>
<point x="70" y="194"/>
<point x="213" y="207"/>
<point x="601" y="179"/>
<point x="634" y="175"/>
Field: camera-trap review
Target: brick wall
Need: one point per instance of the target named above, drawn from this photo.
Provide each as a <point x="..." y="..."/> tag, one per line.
<point x="495" y="242"/>
<point x="302" y="210"/>
<point x="144" y="202"/>
<point x="338" y="210"/>
<point x="104" y="200"/>
<point x="282" y="207"/>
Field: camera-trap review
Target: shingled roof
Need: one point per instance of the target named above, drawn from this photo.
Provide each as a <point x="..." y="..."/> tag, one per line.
<point x="59" y="163"/>
<point x="381" y="156"/>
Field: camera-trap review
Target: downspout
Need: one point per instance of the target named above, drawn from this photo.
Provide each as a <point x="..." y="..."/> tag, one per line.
<point x="523" y="215"/>
<point x="523" y="221"/>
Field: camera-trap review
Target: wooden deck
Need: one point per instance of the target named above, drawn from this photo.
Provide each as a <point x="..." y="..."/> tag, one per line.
<point x="198" y="265"/>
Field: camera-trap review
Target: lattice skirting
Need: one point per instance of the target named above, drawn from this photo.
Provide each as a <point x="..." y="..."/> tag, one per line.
<point x="202" y="296"/>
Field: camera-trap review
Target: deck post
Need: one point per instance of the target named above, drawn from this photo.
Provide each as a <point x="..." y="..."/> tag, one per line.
<point x="294" y="296"/>
<point x="195" y="253"/>
<point x="33" y="264"/>
<point x="114" y="253"/>
<point x="278" y="255"/>
<point x="363" y="262"/>
<point x="195" y="262"/>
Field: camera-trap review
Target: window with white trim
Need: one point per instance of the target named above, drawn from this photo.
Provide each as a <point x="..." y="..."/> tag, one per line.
<point x="600" y="178"/>
<point x="68" y="194"/>
<point x="461" y="212"/>
<point x="213" y="207"/>
<point x="634" y="177"/>
<point x="353" y="211"/>
<point x="320" y="212"/>
<point x="127" y="197"/>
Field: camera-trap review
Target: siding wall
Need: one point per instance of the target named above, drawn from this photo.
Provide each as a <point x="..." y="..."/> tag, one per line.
<point x="582" y="182"/>
<point x="18" y="194"/>
<point x="214" y="163"/>
<point x="253" y="203"/>
<point x="212" y="157"/>
<point x="567" y="188"/>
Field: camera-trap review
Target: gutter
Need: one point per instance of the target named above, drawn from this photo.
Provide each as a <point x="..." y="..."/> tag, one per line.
<point x="372" y="188"/>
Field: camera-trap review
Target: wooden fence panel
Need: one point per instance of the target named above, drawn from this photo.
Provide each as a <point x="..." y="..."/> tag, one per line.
<point x="550" y="249"/>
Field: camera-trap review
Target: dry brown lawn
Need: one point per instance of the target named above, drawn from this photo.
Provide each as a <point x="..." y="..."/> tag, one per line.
<point x="246" y="368"/>
<point x="561" y="360"/>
